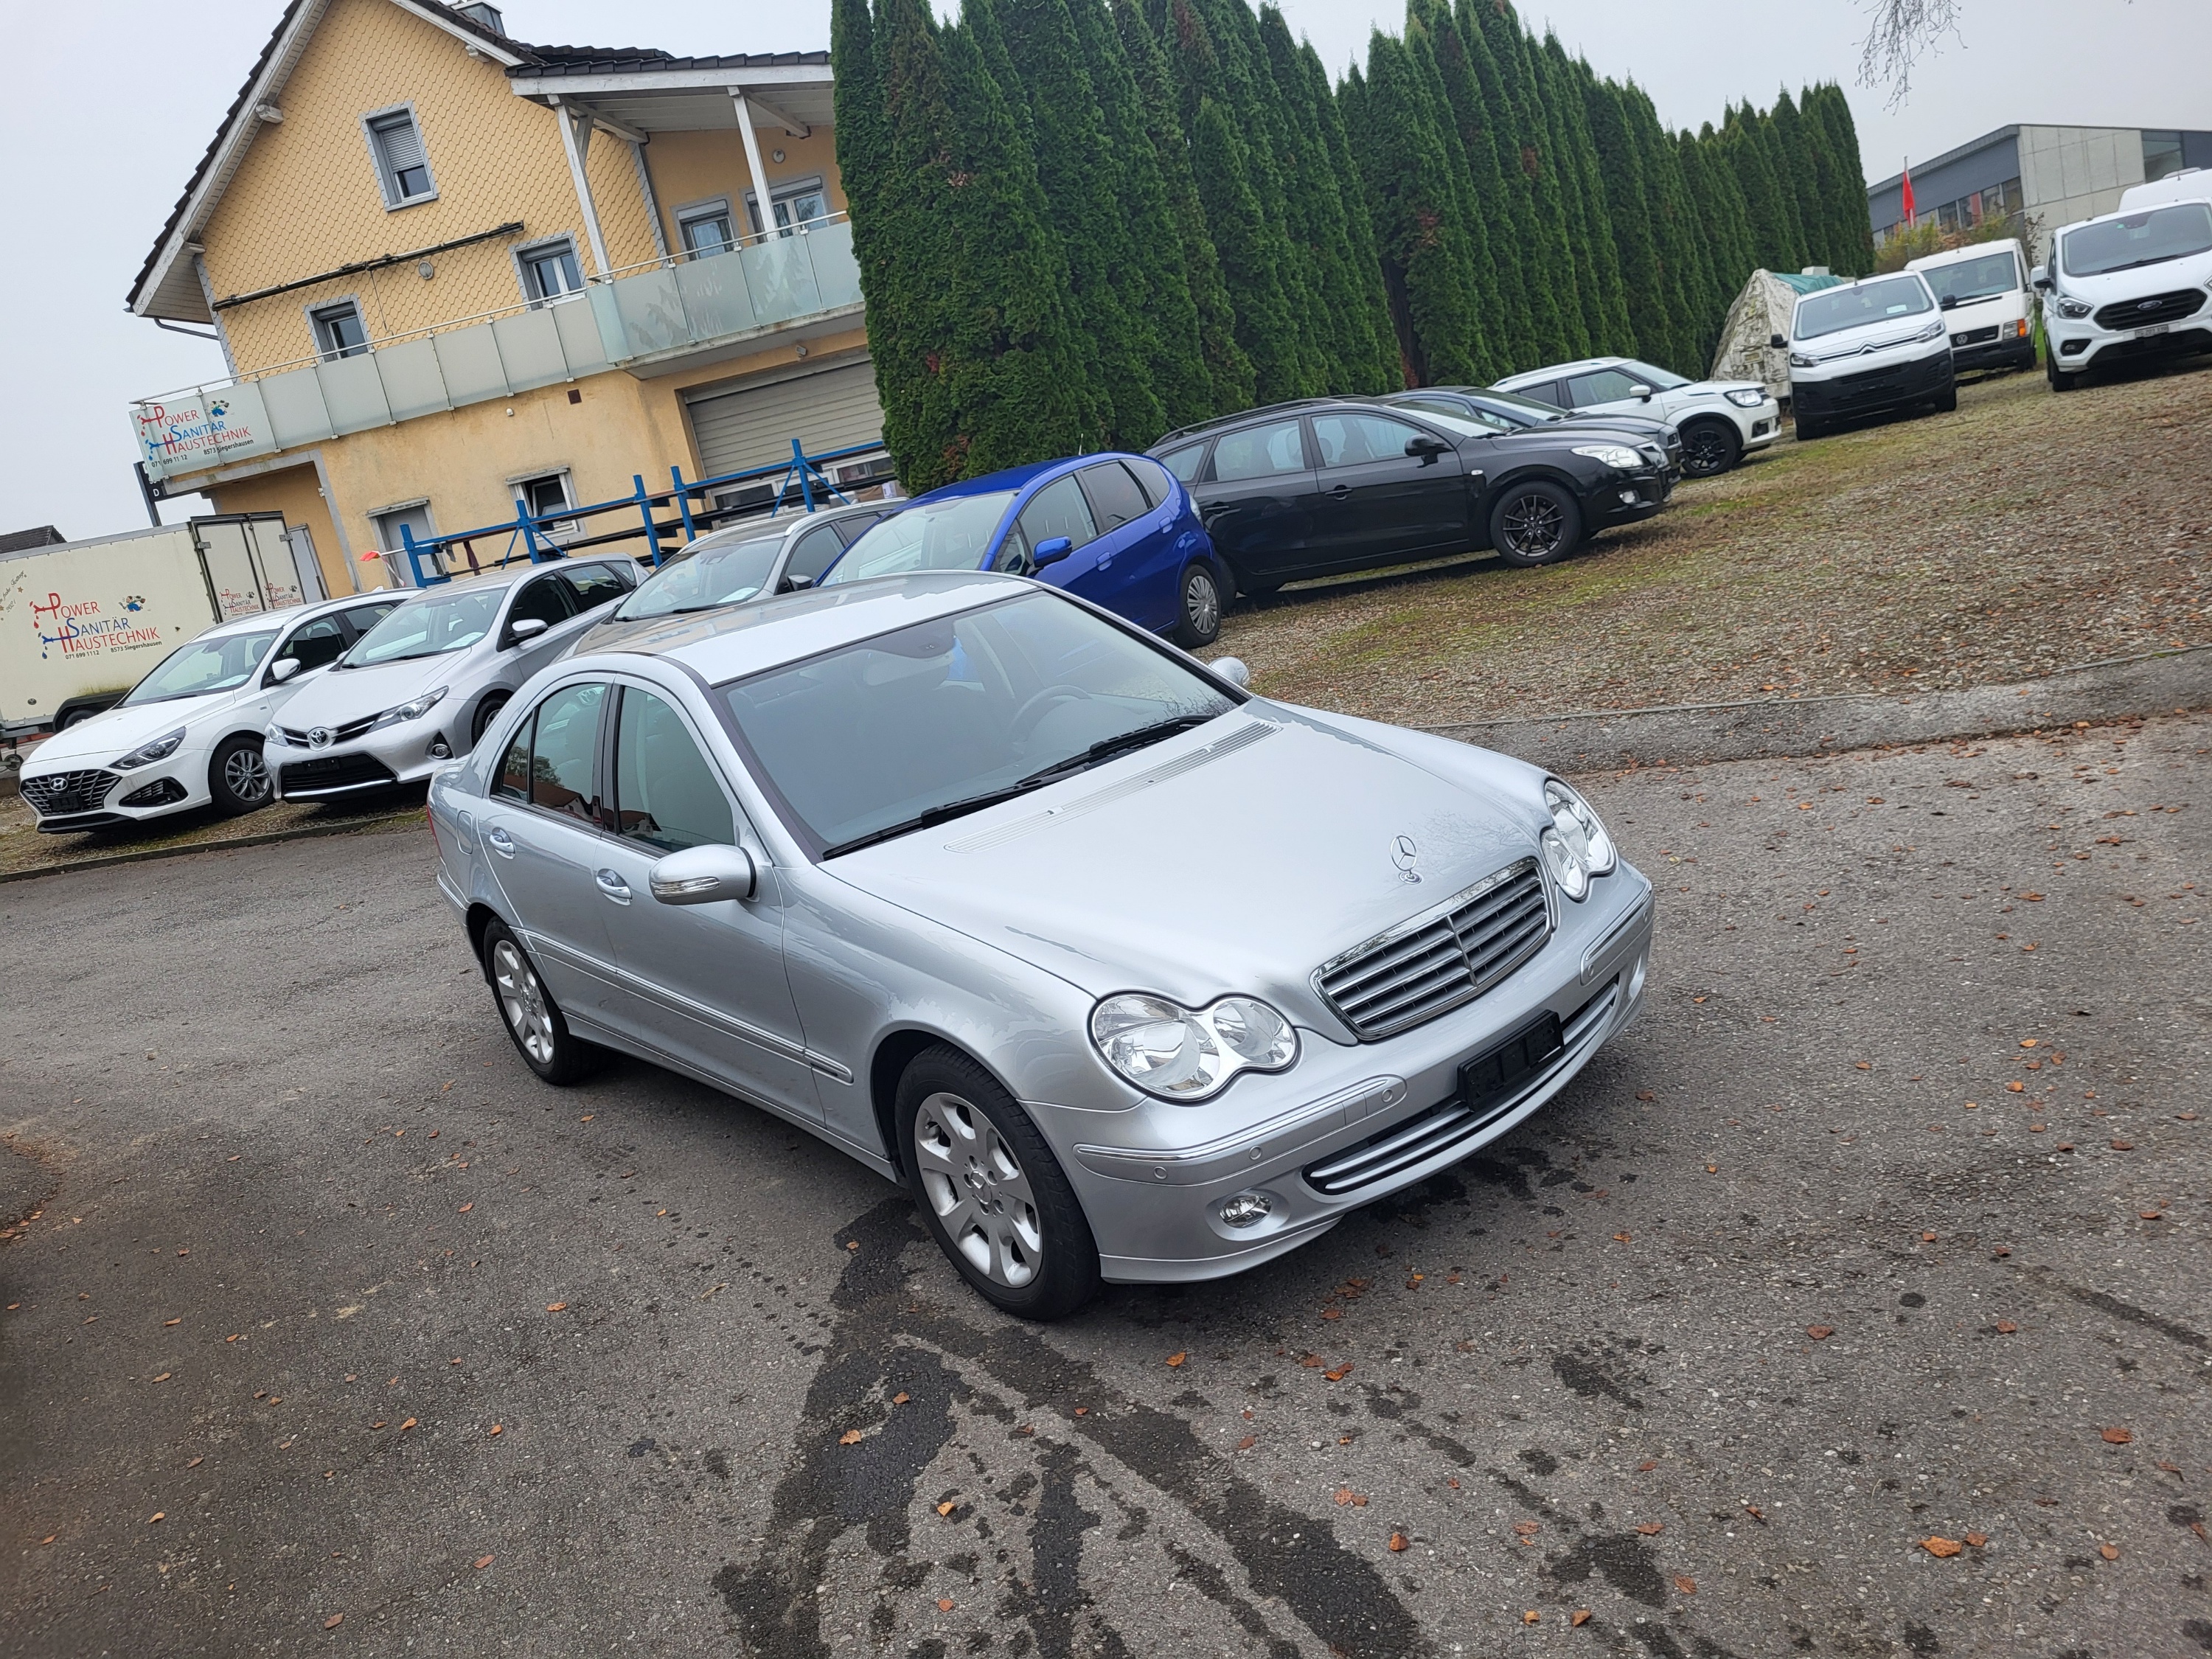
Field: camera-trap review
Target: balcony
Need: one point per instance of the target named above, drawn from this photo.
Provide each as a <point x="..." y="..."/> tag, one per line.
<point x="639" y="318"/>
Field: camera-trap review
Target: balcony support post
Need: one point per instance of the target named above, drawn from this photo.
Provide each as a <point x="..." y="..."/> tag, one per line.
<point x="576" y="140"/>
<point x="684" y="503"/>
<point x="753" y="161"/>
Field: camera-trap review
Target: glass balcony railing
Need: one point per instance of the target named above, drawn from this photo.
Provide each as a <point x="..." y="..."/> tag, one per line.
<point x="641" y="313"/>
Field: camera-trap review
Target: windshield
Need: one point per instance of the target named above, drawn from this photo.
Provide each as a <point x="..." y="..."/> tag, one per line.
<point x="952" y="534"/>
<point x="1969" y="280"/>
<point x="701" y="578"/>
<point x="933" y="721"/>
<point x="427" y="628"/>
<point x="1454" y="420"/>
<point x="204" y="665"/>
<point x="1527" y="410"/>
<point x="1836" y="309"/>
<point x="1659" y="380"/>
<point x="2137" y="239"/>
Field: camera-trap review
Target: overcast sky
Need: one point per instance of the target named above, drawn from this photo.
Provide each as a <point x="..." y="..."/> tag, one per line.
<point x="115" y="152"/>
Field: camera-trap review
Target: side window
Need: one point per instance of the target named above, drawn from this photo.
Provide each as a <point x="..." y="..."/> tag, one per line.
<point x="1259" y="452"/>
<point x="1013" y="559"/>
<point x="814" y="553"/>
<point x="1058" y="510"/>
<point x="551" y="272"/>
<point x="1114" y="497"/>
<point x="1353" y="440"/>
<point x="314" y="645"/>
<point x="338" y="330"/>
<point x="1183" y="462"/>
<point x="1543" y="392"/>
<point x="594" y="585"/>
<point x="1152" y="479"/>
<point x="1607" y="385"/>
<point x="666" y="794"/>
<point x="545" y="598"/>
<point x="402" y="169"/>
<point x="362" y="617"/>
<point x="564" y="753"/>
<point x="853" y="527"/>
<point x="514" y="780"/>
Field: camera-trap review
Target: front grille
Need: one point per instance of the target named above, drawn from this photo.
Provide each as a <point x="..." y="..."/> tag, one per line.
<point x="345" y="733"/>
<point x="2156" y="308"/>
<point x="159" y="793"/>
<point x="1441" y="958"/>
<point x="1974" y="337"/>
<point x="68" y="791"/>
<point x="1453" y="1122"/>
<point x="335" y="772"/>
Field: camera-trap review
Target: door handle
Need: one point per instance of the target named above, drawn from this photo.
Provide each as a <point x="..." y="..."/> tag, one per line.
<point x="612" y="887"/>
<point x="502" y="843"/>
<point x="1340" y="492"/>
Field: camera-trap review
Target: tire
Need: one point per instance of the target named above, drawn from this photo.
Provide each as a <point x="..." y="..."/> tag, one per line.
<point x="1808" y="429"/>
<point x="238" y="777"/>
<point x="1949" y="403"/>
<point x="966" y="1145"/>
<point x="1201" y="607"/>
<point x="1534" y="522"/>
<point x="487" y="712"/>
<point x="1710" y="448"/>
<point x="533" y="1022"/>
<point x="2060" y="381"/>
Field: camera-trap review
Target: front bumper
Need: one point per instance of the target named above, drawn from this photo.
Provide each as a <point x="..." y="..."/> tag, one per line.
<point x="1868" y="392"/>
<point x="64" y="798"/>
<point x="1625" y="497"/>
<point x="1353" y="1123"/>
<point x="1995" y="345"/>
<point x="2075" y="344"/>
<point x="375" y="760"/>
<point x="1760" y="426"/>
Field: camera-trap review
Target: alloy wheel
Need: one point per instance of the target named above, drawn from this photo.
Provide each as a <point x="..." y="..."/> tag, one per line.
<point x="522" y="1000"/>
<point x="1534" y="526"/>
<point x="247" y="775"/>
<point x="1201" y="603"/>
<point x="978" y="1191"/>
<point x="1705" y="452"/>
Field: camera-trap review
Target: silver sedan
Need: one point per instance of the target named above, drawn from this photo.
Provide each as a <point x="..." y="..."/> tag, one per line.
<point x="1126" y="973"/>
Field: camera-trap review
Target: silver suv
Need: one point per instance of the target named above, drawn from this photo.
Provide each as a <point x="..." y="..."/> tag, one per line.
<point x="1721" y="421"/>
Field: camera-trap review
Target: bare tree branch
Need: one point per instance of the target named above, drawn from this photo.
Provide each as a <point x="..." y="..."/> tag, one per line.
<point x="1902" y="31"/>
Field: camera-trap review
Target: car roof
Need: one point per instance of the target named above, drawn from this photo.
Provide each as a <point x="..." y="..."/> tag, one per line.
<point x="1019" y="478"/>
<point x="760" y="530"/>
<point x="1952" y="256"/>
<point x="734" y="640"/>
<point x="507" y="575"/>
<point x="2140" y="208"/>
<point x="1581" y="366"/>
<point x="1199" y="431"/>
<point x="283" y="618"/>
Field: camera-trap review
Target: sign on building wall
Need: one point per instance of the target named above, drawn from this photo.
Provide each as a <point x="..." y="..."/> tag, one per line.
<point x="182" y="434"/>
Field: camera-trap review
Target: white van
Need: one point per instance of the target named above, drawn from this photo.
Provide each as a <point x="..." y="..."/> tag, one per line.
<point x="2190" y="185"/>
<point x="1865" y="348"/>
<point x="1984" y="287"/>
<point x="2134" y="283"/>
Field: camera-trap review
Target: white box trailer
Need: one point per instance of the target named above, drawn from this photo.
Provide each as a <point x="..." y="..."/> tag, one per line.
<point x="82" y="622"/>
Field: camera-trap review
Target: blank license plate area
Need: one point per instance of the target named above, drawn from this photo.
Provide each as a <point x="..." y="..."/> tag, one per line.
<point x="2145" y="333"/>
<point x="1500" y="1070"/>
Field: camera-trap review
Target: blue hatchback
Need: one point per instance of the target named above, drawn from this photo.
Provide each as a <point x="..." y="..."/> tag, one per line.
<point x="1118" y="530"/>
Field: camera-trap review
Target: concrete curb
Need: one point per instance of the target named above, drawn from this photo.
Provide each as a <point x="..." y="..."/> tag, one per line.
<point x="304" y="832"/>
<point x="1682" y="734"/>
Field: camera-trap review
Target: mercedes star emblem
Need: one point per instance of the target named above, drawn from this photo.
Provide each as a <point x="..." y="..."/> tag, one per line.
<point x="1404" y="855"/>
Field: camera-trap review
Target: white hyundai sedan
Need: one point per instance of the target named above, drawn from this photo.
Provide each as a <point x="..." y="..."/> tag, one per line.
<point x="419" y="687"/>
<point x="190" y="733"/>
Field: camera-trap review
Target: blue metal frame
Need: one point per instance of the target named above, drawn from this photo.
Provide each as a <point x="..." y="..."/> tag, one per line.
<point x="802" y="471"/>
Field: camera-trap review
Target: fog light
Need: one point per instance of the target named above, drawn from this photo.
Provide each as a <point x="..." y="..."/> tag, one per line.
<point x="1247" y="1210"/>
<point x="440" y="748"/>
<point x="1628" y="498"/>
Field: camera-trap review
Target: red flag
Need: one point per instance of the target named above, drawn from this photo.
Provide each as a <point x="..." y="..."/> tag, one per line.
<point x="1906" y="203"/>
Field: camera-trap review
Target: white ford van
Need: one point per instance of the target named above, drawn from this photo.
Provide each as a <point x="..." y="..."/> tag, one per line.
<point x="1985" y="288"/>
<point x="2137" y="282"/>
<point x="1864" y="348"/>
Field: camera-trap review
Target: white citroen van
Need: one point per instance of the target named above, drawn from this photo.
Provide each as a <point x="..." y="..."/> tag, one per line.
<point x="2134" y="283"/>
<point x="1984" y="287"/>
<point x="1865" y="348"/>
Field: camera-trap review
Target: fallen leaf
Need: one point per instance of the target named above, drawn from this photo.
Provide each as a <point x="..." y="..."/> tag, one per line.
<point x="1331" y="1313"/>
<point x="497" y="1427"/>
<point x="850" y="1438"/>
<point x="168" y="1322"/>
<point x="376" y="1425"/>
<point x="1397" y="1542"/>
<point x="1687" y="1586"/>
<point x="2150" y="1215"/>
<point x="1652" y="1529"/>
<point x="557" y="1307"/>
<point x="1580" y="1617"/>
<point x="1248" y="1443"/>
<point x="1177" y="1358"/>
<point x="483" y="1561"/>
<point x="1977" y="1539"/>
<point x="1338" y="1375"/>
<point x="1647" y="1466"/>
<point x="2016" y="1086"/>
<point x="1645" y="1093"/>
<point x="587" y="1117"/>
<point x="408" y="1424"/>
<point x="944" y="1604"/>
<point x="2171" y="1468"/>
<point x="1452" y="1482"/>
<point x="2122" y="1145"/>
<point x="1927" y="1238"/>
<point x="2006" y="1327"/>
<point x="947" y="1507"/>
<point x="1820" y="1332"/>
<point x="158" y="1515"/>
<point x="1863" y="1065"/>
<point x="1620" y="1238"/>
<point x="1082" y="1411"/>
<point x="1712" y="1169"/>
<point x="334" y="1621"/>
<point x="2109" y="1552"/>
<point x="1346" y="1495"/>
<point x="2118" y="1436"/>
<point x="466" y="1208"/>
<point x="1755" y="1513"/>
<point x="165" y="1377"/>
<point x="196" y="1462"/>
<point x="1526" y="1527"/>
<point x="1312" y="1362"/>
<point x="1529" y="1618"/>
<point x="48" y="1539"/>
<point x="898" y="1400"/>
<point x="1943" y="1547"/>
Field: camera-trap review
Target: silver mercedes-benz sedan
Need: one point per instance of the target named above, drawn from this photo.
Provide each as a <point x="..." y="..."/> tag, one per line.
<point x="1126" y="973"/>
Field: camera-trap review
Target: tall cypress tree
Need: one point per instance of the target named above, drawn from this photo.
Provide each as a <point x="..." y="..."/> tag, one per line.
<point x="1555" y="272"/>
<point x="1852" y="235"/>
<point x="882" y="237"/>
<point x="1510" y="333"/>
<point x="1605" y="311"/>
<point x="1481" y="273"/>
<point x="1315" y="217"/>
<point x="1628" y="209"/>
<point x="1370" y="313"/>
<point x="1735" y="233"/>
<point x="1684" y="266"/>
<point x="1247" y="246"/>
<point x="1800" y="181"/>
<point x="1523" y="243"/>
<point x="1229" y="371"/>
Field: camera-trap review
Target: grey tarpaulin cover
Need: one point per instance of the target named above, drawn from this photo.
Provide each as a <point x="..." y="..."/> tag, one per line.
<point x="1759" y="312"/>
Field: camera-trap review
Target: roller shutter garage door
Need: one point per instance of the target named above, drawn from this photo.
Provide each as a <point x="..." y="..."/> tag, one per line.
<point x="833" y="409"/>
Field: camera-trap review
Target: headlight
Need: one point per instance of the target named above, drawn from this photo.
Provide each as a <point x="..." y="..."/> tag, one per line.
<point x="1182" y="1053"/>
<point x="1614" y="455"/>
<point x="1744" y="397"/>
<point x="1576" y="847"/>
<point x="1801" y="360"/>
<point x="2074" y="310"/>
<point x="147" y="753"/>
<point x="273" y="734"/>
<point x="1935" y="330"/>
<point x="412" y="711"/>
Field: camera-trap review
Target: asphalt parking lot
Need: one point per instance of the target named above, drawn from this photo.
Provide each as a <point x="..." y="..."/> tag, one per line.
<point x="1844" y="1306"/>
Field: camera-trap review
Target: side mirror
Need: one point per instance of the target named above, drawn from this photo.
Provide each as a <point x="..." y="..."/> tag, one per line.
<point x="1051" y="550"/>
<point x="282" y="669"/>
<point x="1948" y="302"/>
<point x="704" y="875"/>
<point x="2042" y="281"/>
<point x="1776" y="343"/>
<point x="526" y="628"/>
<point x="1233" y="670"/>
<point x="1426" y="448"/>
<point x="1643" y="391"/>
<point x="795" y="584"/>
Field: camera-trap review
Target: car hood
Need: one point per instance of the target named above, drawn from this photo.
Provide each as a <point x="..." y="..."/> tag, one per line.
<point x="102" y="738"/>
<point x="2192" y="271"/>
<point x="1235" y="858"/>
<point x="337" y="696"/>
<point x="1636" y="426"/>
<point x="1718" y="388"/>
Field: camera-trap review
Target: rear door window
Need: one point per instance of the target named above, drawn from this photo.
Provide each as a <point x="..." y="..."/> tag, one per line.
<point x="564" y="752"/>
<point x="1260" y="451"/>
<point x="362" y="617"/>
<point x="594" y="585"/>
<point x="1152" y="479"/>
<point x="815" y="552"/>
<point x="1184" y="462"/>
<point x="1543" y="392"/>
<point x="1058" y="510"/>
<point x="544" y="598"/>
<point x="1114" y="498"/>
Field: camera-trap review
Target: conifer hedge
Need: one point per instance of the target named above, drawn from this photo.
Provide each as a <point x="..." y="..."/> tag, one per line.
<point x="1079" y="222"/>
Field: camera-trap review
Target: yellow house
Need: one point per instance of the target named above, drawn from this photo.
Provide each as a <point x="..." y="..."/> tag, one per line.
<point x="452" y="271"/>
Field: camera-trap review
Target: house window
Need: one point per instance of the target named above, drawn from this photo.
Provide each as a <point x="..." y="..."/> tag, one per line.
<point x="546" y="495"/>
<point x="2161" y="154"/>
<point x="549" y="271"/>
<point x="401" y="166"/>
<point x="706" y="231"/>
<point x="338" y="330"/>
<point x="794" y="205"/>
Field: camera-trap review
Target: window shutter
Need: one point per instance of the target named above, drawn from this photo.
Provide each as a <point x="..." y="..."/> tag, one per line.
<point x="402" y="145"/>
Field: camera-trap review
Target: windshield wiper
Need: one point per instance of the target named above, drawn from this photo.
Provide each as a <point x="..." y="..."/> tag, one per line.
<point x="2134" y="264"/>
<point x="1106" y="748"/>
<point x="951" y="809"/>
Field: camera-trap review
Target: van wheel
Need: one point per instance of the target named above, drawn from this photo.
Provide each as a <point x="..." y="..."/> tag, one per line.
<point x="1709" y="448"/>
<point x="2059" y="379"/>
<point x="1202" y="608"/>
<point x="238" y="777"/>
<point x="1949" y="403"/>
<point x="1809" y="428"/>
<point x="1534" y="522"/>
